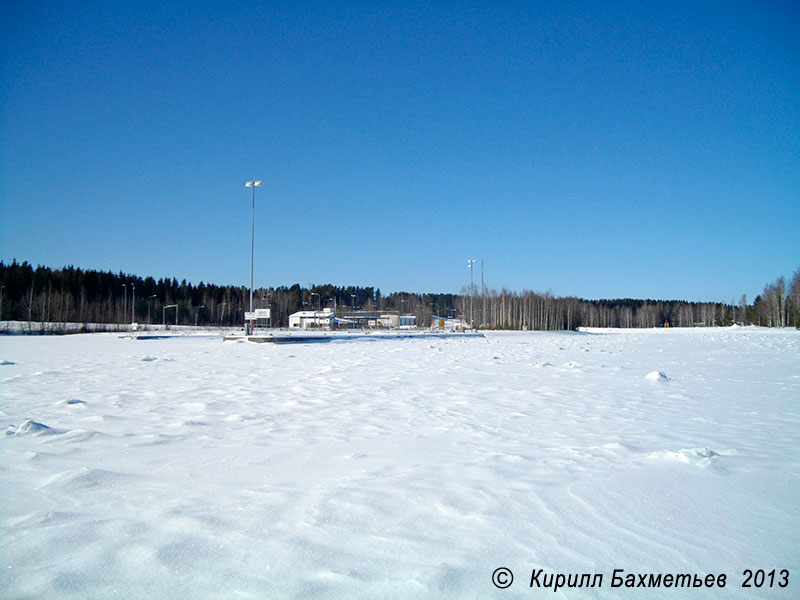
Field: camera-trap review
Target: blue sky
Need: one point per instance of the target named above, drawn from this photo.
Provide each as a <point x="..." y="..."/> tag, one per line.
<point x="646" y="150"/>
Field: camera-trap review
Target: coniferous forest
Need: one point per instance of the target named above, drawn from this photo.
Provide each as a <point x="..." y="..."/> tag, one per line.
<point x="74" y="295"/>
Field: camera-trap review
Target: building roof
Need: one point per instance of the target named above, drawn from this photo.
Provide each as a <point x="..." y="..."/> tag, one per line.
<point x="313" y="314"/>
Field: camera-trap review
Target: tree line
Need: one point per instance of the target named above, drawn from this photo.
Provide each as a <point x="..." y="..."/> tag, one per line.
<point x="74" y="295"/>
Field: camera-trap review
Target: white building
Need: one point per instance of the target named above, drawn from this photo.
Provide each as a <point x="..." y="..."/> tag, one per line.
<point x="442" y="324"/>
<point x="393" y="321"/>
<point x="312" y="319"/>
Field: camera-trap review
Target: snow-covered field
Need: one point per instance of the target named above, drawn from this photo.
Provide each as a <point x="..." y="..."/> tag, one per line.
<point x="411" y="468"/>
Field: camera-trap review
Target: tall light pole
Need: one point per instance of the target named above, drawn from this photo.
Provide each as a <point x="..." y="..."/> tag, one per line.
<point x="483" y="299"/>
<point x="164" y="313"/>
<point x="316" y="313"/>
<point x="148" y="308"/>
<point x="133" y="302"/>
<point x="254" y="185"/>
<point x="221" y="312"/>
<point x="470" y="262"/>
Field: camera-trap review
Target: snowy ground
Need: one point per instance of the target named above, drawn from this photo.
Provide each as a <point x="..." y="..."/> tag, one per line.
<point x="413" y="468"/>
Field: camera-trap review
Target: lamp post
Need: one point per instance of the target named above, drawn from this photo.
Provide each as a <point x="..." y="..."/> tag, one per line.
<point x="221" y="312"/>
<point x="483" y="299"/>
<point x="133" y="302"/>
<point x="149" y="298"/>
<point x="196" y="310"/>
<point x="470" y="262"/>
<point x="254" y="185"/>
<point x="319" y="309"/>
<point x="164" y="313"/>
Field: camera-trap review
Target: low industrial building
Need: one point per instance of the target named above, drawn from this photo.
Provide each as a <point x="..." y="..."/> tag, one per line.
<point x="393" y="321"/>
<point x="327" y="319"/>
<point x="312" y="319"/>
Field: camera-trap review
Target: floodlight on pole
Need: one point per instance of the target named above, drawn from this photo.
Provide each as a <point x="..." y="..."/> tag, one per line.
<point x="164" y="313"/>
<point x="470" y="262"/>
<point x="316" y="312"/>
<point x="254" y="185"/>
<point x="221" y="312"/>
<point x="148" y="307"/>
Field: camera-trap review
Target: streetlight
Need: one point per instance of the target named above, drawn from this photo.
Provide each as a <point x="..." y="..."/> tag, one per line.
<point x="470" y="262"/>
<point x="254" y="185"/>
<point x="319" y="301"/>
<point x="164" y="313"/>
<point x="196" y="310"/>
<point x="148" y="307"/>
<point x="221" y="312"/>
<point x="268" y="299"/>
<point x="133" y="302"/>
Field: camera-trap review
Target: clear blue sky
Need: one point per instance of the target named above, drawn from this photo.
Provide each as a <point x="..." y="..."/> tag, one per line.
<point x="641" y="149"/>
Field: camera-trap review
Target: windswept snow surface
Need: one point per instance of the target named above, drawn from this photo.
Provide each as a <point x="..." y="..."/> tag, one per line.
<point x="410" y="468"/>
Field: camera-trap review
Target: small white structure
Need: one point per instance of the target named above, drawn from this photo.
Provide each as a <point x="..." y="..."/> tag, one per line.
<point x="259" y="318"/>
<point x="442" y="324"/>
<point x="312" y="319"/>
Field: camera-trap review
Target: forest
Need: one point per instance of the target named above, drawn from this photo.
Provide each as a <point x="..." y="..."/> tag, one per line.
<point x="74" y="295"/>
